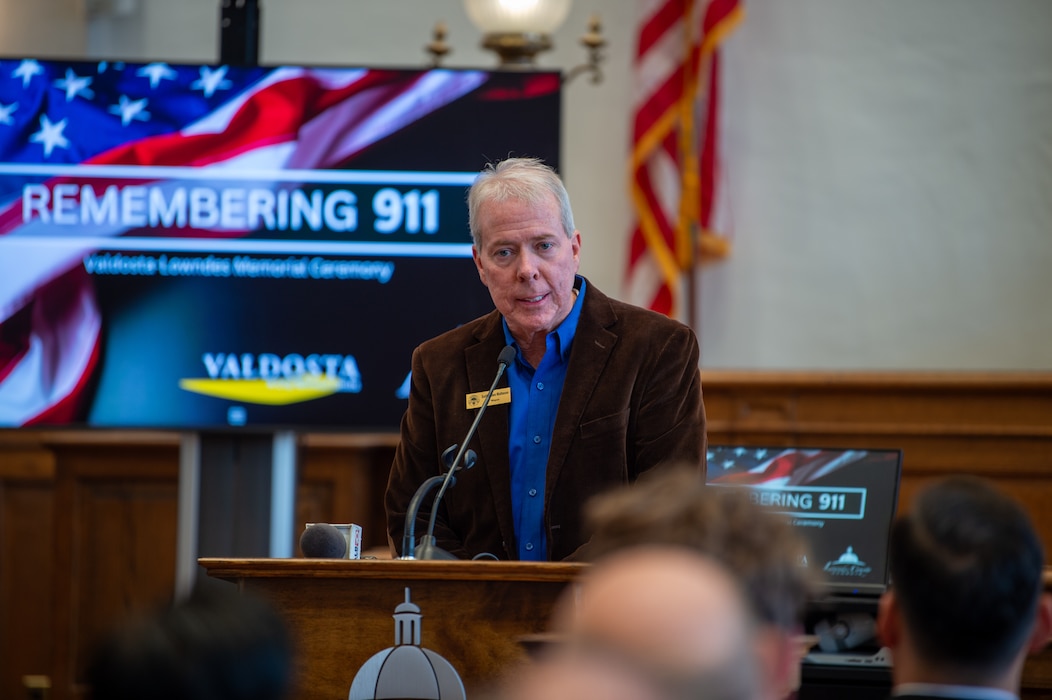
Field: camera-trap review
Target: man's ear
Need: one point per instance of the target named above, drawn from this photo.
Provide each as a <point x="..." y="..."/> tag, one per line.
<point x="477" y="257"/>
<point x="780" y="659"/>
<point x="888" y="620"/>
<point x="1042" y="632"/>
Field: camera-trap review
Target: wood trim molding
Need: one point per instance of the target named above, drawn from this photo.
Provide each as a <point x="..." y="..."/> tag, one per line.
<point x="1015" y="381"/>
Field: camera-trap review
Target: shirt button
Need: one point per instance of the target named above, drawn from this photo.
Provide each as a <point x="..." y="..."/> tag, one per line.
<point x="533" y="492"/>
<point x="529" y="546"/>
<point x="540" y="386"/>
<point x="536" y="439"/>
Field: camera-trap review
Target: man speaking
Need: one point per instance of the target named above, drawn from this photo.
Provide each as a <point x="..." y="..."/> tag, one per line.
<point x="600" y="391"/>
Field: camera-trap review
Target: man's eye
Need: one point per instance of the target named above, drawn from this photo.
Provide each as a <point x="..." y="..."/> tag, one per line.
<point x="502" y="253"/>
<point x="546" y="245"/>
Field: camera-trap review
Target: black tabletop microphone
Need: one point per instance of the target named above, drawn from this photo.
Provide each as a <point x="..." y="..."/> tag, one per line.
<point x="323" y="541"/>
<point x="427" y="548"/>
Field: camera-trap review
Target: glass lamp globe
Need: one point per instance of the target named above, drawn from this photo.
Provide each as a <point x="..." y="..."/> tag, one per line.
<point x="517" y="29"/>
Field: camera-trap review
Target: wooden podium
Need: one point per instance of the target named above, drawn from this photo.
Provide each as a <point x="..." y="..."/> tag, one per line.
<point x="341" y="612"/>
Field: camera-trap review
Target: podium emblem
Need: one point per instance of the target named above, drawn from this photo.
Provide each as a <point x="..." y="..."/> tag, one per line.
<point x="407" y="670"/>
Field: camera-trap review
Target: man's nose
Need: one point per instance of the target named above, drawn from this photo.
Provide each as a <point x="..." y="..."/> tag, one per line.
<point x="527" y="267"/>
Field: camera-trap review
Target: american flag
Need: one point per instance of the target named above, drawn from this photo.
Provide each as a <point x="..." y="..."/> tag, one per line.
<point x="60" y="114"/>
<point x="675" y="169"/>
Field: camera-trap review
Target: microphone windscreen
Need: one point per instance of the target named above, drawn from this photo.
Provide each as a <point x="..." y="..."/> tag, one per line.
<point x="507" y="355"/>
<point x="323" y="541"/>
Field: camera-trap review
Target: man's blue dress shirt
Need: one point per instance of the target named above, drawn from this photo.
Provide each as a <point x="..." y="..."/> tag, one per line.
<point x="534" y="403"/>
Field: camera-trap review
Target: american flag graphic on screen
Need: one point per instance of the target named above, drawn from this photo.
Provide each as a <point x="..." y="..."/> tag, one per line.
<point x="57" y="116"/>
<point x="773" y="468"/>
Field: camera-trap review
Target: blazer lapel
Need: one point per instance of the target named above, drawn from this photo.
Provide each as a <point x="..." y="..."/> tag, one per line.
<point x="592" y="345"/>
<point x="492" y="434"/>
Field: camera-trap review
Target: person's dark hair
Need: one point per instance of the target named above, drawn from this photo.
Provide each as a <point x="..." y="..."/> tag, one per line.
<point x="527" y="180"/>
<point x="674" y="506"/>
<point x="966" y="569"/>
<point x="214" y="645"/>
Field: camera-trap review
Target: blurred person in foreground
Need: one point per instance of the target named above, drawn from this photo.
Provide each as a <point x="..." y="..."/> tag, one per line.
<point x="653" y="623"/>
<point x="760" y="548"/>
<point x="217" y="644"/>
<point x="600" y="391"/>
<point x="966" y="603"/>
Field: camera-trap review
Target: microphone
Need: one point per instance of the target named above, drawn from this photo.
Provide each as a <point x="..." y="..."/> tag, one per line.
<point x="427" y="548"/>
<point x="409" y="533"/>
<point x="323" y="541"/>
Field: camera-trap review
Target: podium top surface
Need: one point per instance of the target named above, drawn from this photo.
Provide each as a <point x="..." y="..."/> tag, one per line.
<point x="240" y="568"/>
<point x="403" y="569"/>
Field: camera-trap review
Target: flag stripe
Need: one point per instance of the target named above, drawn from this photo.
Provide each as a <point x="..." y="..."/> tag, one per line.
<point x="656" y="25"/>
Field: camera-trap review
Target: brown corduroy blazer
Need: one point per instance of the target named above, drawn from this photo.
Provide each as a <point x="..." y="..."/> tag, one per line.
<point x="631" y="401"/>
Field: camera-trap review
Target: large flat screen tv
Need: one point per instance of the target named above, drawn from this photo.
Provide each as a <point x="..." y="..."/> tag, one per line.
<point x="207" y="246"/>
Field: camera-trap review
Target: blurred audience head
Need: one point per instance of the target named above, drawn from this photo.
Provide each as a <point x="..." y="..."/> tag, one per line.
<point x="579" y="676"/>
<point x="966" y="603"/>
<point x="673" y="506"/>
<point x="669" y="622"/>
<point x="217" y="644"/>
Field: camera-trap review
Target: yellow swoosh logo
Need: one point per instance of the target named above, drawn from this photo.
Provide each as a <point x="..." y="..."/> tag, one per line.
<point x="269" y="392"/>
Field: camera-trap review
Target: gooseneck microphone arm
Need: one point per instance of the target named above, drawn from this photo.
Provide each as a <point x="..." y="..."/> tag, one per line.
<point x="409" y="535"/>
<point x="409" y="532"/>
<point x="427" y="548"/>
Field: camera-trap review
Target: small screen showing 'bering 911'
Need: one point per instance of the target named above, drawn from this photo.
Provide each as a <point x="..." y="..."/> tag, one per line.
<point x="842" y="501"/>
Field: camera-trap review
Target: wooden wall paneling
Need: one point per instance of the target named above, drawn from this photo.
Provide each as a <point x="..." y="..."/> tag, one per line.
<point x="27" y="565"/>
<point x="379" y="466"/>
<point x="342" y="479"/>
<point x="335" y="487"/>
<point x="956" y="402"/>
<point x="316" y="495"/>
<point x="116" y="529"/>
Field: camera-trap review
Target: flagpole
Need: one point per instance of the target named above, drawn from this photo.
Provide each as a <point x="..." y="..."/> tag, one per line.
<point x="690" y="180"/>
<point x="693" y="307"/>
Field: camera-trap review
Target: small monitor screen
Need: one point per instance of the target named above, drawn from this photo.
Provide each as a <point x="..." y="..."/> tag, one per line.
<point x="842" y="501"/>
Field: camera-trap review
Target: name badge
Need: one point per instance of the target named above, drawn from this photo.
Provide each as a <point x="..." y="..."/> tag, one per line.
<point x="499" y="396"/>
